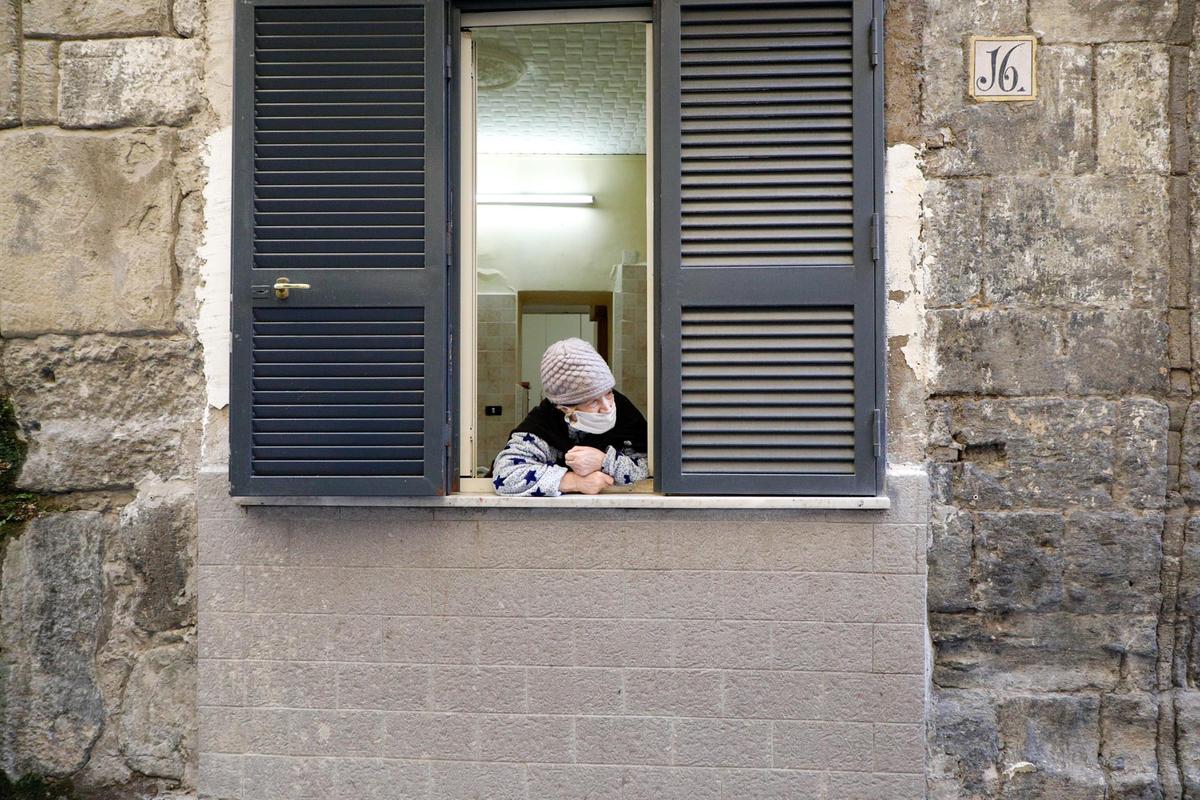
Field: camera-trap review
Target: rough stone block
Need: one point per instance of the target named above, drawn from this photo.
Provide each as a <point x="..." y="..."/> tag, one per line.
<point x="953" y="241"/>
<point x="39" y="83"/>
<point x="1132" y="100"/>
<point x="121" y="82"/>
<point x="1113" y="561"/>
<point x="1103" y="21"/>
<point x="949" y="560"/>
<point x="1060" y="735"/>
<point x="85" y="233"/>
<point x="995" y="351"/>
<point x="154" y="538"/>
<point x="188" y="16"/>
<point x="1187" y="723"/>
<point x="1116" y="352"/>
<point x="51" y="605"/>
<point x="1128" y="749"/>
<point x="69" y="18"/>
<point x="1018" y="563"/>
<point x="964" y="743"/>
<point x="1050" y="135"/>
<point x="1088" y="239"/>
<point x="158" y="716"/>
<point x="1046" y="651"/>
<point x="1143" y="435"/>
<point x="10" y="65"/>
<point x="1043" y="452"/>
<point x="101" y="411"/>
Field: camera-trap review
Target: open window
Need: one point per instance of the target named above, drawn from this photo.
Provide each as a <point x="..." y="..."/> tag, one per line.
<point x="759" y="263"/>
<point x="553" y="143"/>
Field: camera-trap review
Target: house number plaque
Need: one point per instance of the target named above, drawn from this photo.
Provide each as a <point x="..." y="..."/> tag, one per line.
<point x="1003" y="68"/>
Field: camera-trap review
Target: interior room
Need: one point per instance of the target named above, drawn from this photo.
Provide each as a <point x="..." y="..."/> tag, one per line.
<point x="560" y="220"/>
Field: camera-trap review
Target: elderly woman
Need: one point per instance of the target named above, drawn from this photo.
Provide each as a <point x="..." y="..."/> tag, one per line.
<point x="583" y="436"/>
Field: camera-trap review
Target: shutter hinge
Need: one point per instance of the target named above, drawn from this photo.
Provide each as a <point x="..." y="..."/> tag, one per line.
<point x="876" y="245"/>
<point x="876" y="431"/>
<point x="876" y="37"/>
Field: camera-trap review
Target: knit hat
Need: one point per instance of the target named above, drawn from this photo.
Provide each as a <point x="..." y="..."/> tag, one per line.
<point x="572" y="372"/>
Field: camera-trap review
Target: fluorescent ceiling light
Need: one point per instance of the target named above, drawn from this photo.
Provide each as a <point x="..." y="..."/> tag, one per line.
<point x="535" y="199"/>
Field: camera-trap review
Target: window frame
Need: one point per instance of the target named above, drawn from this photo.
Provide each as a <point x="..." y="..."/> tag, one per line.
<point x="449" y="401"/>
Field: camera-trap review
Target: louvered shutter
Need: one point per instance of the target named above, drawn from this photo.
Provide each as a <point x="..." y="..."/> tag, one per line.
<point x="339" y="135"/>
<point x="768" y="130"/>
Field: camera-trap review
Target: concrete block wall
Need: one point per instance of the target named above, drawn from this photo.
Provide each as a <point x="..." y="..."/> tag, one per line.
<point x="383" y="652"/>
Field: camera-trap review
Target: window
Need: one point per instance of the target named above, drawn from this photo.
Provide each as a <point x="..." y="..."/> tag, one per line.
<point x="767" y="158"/>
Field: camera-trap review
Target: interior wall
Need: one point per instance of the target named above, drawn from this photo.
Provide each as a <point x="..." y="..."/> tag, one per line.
<point x="497" y="375"/>
<point x="565" y="248"/>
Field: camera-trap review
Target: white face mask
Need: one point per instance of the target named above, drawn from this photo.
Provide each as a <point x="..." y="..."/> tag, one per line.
<point x="592" y="422"/>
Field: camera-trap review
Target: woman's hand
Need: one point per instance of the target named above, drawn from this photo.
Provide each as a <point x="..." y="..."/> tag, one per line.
<point x="585" y="460"/>
<point x="584" y="484"/>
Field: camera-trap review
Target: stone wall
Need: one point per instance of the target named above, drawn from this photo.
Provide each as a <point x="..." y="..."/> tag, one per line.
<point x="1042" y="262"/>
<point x="101" y="114"/>
<point x="1057" y="278"/>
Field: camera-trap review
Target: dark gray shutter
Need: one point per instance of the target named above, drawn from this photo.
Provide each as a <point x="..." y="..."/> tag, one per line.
<point x="339" y="175"/>
<point x="768" y="125"/>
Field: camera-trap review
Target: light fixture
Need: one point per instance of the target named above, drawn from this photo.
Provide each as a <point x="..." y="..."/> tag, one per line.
<point x="535" y="199"/>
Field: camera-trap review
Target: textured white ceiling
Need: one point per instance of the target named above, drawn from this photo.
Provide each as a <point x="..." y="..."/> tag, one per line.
<point x="583" y="91"/>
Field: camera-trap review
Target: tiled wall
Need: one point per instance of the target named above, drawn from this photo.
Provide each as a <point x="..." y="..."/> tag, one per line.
<point x="351" y="653"/>
<point x="498" y="372"/>
<point x="629" y="317"/>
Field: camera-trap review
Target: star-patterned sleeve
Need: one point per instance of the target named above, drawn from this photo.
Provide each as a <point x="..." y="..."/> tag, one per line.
<point x="626" y="467"/>
<point x="527" y="467"/>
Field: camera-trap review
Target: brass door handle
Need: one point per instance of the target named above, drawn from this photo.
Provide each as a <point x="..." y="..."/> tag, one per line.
<point x="281" y="287"/>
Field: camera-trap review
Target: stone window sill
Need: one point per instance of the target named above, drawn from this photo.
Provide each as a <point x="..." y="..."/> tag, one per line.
<point x="632" y="500"/>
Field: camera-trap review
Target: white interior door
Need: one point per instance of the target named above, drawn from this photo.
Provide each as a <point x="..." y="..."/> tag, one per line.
<point x="539" y="331"/>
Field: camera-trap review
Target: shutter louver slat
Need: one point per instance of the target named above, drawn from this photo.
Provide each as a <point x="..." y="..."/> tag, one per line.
<point x="353" y="76"/>
<point x="747" y="391"/>
<point x="307" y="333"/>
<point x="768" y="286"/>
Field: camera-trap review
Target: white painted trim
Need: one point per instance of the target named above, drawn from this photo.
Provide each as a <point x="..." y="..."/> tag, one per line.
<point x="468" y="403"/>
<point x="494" y="19"/>
<point x="651" y="297"/>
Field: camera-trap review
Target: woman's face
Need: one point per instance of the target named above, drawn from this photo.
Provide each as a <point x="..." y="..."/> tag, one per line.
<point x="597" y="405"/>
